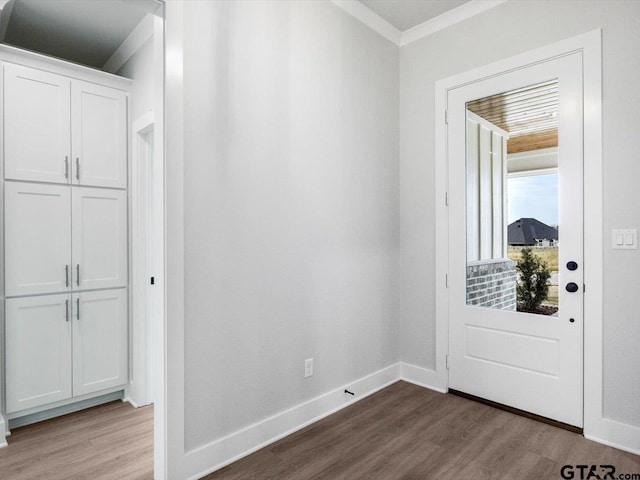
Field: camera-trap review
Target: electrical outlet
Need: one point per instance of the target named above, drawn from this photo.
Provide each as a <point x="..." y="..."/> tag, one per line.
<point x="308" y="367"/>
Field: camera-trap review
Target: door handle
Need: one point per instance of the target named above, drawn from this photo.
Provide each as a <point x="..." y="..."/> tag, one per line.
<point x="66" y="275"/>
<point x="66" y="166"/>
<point x="66" y="308"/>
<point x="77" y="168"/>
<point x="77" y="274"/>
<point x="78" y="308"/>
<point x="572" y="287"/>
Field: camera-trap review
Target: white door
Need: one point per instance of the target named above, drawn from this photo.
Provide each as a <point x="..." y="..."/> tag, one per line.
<point x="99" y="135"/>
<point x="529" y="361"/>
<point x="99" y="238"/>
<point x="38" y="351"/>
<point x="37" y="127"/>
<point x="100" y="340"/>
<point x="37" y="238"/>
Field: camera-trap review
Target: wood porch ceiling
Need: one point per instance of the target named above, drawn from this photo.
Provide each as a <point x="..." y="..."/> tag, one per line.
<point x="529" y="114"/>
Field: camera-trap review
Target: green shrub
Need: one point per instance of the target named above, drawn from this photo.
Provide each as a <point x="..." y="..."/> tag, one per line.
<point x="533" y="286"/>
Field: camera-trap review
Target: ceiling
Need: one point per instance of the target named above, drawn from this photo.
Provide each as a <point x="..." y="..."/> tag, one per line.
<point x="529" y="114"/>
<point x="87" y="32"/>
<point x="404" y="14"/>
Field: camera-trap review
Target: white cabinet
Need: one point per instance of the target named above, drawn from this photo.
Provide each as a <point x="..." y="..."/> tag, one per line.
<point x="65" y="237"/>
<point x="59" y="238"/>
<point x="37" y="125"/>
<point x="99" y="340"/>
<point x="38" y="351"/>
<point x="64" y="346"/>
<point x="99" y="135"/>
<point x="37" y="238"/>
<point x="62" y="130"/>
<point x="99" y="238"/>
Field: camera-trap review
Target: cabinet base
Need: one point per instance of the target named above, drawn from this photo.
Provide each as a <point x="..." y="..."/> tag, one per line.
<point x="20" y="419"/>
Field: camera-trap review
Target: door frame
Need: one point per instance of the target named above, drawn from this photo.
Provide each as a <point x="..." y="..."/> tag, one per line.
<point x="139" y="388"/>
<point x="156" y="327"/>
<point x="590" y="45"/>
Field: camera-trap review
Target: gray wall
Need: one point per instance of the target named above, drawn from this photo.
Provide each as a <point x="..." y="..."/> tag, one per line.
<point x="509" y="29"/>
<point x="291" y="207"/>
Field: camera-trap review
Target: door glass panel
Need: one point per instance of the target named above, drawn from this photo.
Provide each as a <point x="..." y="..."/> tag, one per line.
<point x="512" y="231"/>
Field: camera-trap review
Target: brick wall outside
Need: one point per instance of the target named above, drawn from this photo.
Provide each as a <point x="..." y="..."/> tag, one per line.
<point x="492" y="284"/>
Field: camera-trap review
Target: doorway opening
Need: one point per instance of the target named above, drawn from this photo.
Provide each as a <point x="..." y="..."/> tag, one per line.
<point x="90" y="52"/>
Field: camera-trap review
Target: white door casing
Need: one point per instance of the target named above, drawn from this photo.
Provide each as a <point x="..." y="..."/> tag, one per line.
<point x="36" y="125"/>
<point x="99" y="135"/>
<point x="38" y="357"/>
<point x="140" y="389"/>
<point x="99" y="238"/>
<point x="37" y="238"/>
<point x="530" y="362"/>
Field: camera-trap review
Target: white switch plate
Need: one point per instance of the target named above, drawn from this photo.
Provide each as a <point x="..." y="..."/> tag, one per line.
<point x="308" y="367"/>
<point x="624" y="239"/>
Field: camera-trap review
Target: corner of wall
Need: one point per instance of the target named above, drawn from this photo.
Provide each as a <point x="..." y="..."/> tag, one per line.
<point x="423" y="377"/>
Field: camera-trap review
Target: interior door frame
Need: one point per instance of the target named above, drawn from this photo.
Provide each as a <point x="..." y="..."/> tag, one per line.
<point x="139" y="388"/>
<point x="590" y="45"/>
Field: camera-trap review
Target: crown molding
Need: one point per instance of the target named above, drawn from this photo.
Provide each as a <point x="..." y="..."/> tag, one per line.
<point x="371" y="19"/>
<point x="457" y="15"/>
<point x="136" y="39"/>
<point x="380" y="25"/>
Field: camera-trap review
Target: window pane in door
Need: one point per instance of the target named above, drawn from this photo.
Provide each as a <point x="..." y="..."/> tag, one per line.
<point x="512" y="228"/>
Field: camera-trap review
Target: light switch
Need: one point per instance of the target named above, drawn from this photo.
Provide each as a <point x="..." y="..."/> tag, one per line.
<point x="628" y="238"/>
<point x="625" y="239"/>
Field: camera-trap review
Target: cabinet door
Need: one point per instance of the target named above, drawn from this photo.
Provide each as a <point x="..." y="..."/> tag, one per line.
<point x="99" y="135"/>
<point x="99" y="238"/>
<point x="37" y="128"/>
<point x="100" y="340"/>
<point x="37" y="251"/>
<point x="38" y="351"/>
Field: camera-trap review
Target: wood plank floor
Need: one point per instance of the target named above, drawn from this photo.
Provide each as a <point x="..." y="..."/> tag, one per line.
<point x="410" y="433"/>
<point x="111" y="442"/>
<point x="402" y="432"/>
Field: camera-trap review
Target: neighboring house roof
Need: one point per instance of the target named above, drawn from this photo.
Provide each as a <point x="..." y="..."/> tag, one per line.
<point x="527" y="230"/>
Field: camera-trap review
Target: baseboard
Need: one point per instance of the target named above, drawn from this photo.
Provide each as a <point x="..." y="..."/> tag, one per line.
<point x="4" y="431"/>
<point x="131" y="402"/>
<point x="135" y="404"/>
<point x="615" y="434"/>
<point x="239" y="444"/>
<point x="422" y="377"/>
<point x="133" y="396"/>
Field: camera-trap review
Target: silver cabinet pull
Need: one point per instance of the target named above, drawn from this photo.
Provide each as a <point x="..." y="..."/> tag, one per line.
<point x="66" y="275"/>
<point x="78" y="308"/>
<point x="77" y="168"/>
<point x="66" y="308"/>
<point x="77" y="274"/>
<point x="66" y="166"/>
